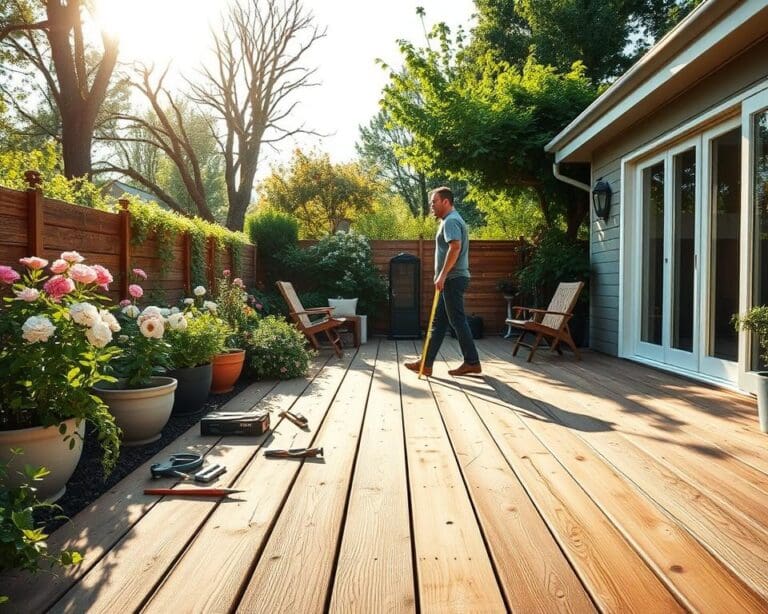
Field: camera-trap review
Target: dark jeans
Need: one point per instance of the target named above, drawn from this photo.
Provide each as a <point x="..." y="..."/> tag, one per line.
<point x="450" y="309"/>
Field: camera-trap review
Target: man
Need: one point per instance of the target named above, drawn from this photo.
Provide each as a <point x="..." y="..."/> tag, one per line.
<point x="452" y="280"/>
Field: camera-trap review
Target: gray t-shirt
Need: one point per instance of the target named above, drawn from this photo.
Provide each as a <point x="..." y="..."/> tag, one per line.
<point x="452" y="228"/>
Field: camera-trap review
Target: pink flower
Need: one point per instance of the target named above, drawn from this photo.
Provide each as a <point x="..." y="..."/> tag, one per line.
<point x="226" y="272"/>
<point x="57" y="286"/>
<point x="238" y="282"/>
<point x="71" y="257"/>
<point x="140" y="273"/>
<point x="103" y="276"/>
<point x="29" y="295"/>
<point x="83" y="273"/>
<point x="135" y="290"/>
<point x="59" y="266"/>
<point x="7" y="274"/>
<point x="33" y="262"/>
<point x="125" y="302"/>
<point x="258" y="306"/>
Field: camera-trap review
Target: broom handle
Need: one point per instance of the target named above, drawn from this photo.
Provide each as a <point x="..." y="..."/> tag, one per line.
<point x="429" y="332"/>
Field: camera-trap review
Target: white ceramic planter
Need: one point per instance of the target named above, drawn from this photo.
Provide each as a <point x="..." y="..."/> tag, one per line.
<point x="762" y="400"/>
<point x="142" y="412"/>
<point x="43" y="447"/>
<point x="363" y="329"/>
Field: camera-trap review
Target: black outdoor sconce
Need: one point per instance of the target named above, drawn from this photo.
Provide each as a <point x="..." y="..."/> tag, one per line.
<point x="601" y="198"/>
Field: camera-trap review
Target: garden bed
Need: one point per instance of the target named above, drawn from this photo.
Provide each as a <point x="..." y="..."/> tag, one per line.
<point x="88" y="484"/>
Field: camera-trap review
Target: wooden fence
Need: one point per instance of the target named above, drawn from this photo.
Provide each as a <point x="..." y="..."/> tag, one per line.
<point x="489" y="261"/>
<point x="31" y="224"/>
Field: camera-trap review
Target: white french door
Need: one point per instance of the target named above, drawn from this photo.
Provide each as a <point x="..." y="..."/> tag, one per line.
<point x="686" y="270"/>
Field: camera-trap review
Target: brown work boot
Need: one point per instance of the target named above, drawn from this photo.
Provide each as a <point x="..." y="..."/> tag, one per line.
<point x="416" y="364"/>
<point x="465" y="369"/>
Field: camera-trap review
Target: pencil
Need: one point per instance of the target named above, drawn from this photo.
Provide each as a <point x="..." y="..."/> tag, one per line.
<point x="191" y="492"/>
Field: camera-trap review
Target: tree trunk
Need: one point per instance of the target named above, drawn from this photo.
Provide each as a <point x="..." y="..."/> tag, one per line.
<point x="577" y="210"/>
<point x="76" y="145"/>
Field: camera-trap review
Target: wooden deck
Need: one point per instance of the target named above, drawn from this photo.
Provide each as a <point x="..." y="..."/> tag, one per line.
<point x="553" y="486"/>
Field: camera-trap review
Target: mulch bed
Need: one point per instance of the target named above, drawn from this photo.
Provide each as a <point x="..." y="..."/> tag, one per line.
<point x="88" y="484"/>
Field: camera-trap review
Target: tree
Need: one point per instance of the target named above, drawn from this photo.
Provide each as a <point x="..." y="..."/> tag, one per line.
<point x="257" y="73"/>
<point x="321" y="195"/>
<point x="49" y="36"/>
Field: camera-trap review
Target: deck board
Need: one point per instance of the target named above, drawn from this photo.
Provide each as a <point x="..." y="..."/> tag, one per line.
<point x="557" y="486"/>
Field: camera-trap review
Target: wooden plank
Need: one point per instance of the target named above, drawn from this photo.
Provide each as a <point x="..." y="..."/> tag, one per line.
<point x="94" y="530"/>
<point x="164" y="532"/>
<point x="615" y="575"/>
<point x="224" y="551"/>
<point x="294" y="571"/>
<point x="454" y="571"/>
<point x="698" y="579"/>
<point x="374" y="570"/>
<point x="534" y="573"/>
<point x="724" y="531"/>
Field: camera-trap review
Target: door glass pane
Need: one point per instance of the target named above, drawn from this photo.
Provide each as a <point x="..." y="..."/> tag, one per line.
<point x="684" y="227"/>
<point x="653" y="254"/>
<point x="760" y="204"/>
<point x="724" y="245"/>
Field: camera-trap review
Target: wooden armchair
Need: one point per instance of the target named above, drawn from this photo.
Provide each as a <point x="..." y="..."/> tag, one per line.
<point x="550" y="323"/>
<point x="301" y="317"/>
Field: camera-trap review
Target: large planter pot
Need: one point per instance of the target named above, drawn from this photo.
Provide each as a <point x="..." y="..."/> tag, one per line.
<point x="762" y="400"/>
<point x="140" y="412"/>
<point x="192" y="391"/>
<point x="44" y="447"/>
<point x="227" y="368"/>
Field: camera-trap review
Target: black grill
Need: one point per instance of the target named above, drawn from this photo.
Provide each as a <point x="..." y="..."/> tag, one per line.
<point x="404" y="297"/>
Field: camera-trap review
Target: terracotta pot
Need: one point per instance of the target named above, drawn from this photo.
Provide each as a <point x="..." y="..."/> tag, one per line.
<point x="43" y="447"/>
<point x="140" y="412"/>
<point x="227" y="368"/>
<point x="194" y="386"/>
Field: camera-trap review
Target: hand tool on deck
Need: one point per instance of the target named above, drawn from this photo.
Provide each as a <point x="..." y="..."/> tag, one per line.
<point x="177" y="466"/>
<point x="297" y="418"/>
<point x="210" y="473"/>
<point x="294" y="453"/>
<point x="192" y="492"/>
<point x="428" y="338"/>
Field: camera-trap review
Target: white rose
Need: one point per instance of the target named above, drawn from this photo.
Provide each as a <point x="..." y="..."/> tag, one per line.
<point x="210" y="306"/>
<point x="177" y="321"/>
<point x="189" y="301"/>
<point x="84" y="314"/>
<point x="37" y="328"/>
<point x="174" y="310"/>
<point x="152" y="328"/>
<point x="199" y="291"/>
<point x="131" y="311"/>
<point x="109" y="320"/>
<point x="99" y="334"/>
<point x="152" y="310"/>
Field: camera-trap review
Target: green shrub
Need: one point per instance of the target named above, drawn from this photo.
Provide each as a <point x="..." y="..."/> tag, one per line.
<point x="755" y="321"/>
<point x="195" y="340"/>
<point x="22" y="544"/>
<point x="276" y="349"/>
<point x="272" y="232"/>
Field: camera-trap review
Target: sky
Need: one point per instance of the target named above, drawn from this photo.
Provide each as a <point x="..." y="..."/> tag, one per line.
<point x="358" y="32"/>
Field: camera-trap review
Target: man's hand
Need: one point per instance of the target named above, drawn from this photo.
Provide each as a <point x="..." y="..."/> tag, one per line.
<point x="440" y="283"/>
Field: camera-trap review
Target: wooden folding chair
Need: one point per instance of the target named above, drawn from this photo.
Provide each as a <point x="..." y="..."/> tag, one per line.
<point x="328" y="324"/>
<point x="551" y="323"/>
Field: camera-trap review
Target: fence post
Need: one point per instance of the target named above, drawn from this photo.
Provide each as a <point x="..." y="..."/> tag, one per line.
<point x="34" y="213"/>
<point x="125" y="246"/>
<point x="187" y="263"/>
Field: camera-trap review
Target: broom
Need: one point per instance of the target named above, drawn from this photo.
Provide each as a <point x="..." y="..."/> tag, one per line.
<point x="429" y="332"/>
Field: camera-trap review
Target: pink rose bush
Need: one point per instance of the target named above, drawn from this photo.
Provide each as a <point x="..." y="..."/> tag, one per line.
<point x="56" y="343"/>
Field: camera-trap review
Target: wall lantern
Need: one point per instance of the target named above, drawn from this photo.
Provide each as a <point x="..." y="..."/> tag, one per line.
<point x="601" y="198"/>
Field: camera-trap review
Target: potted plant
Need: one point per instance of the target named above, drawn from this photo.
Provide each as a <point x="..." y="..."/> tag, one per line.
<point x="54" y="346"/>
<point x="140" y="396"/>
<point x="232" y="307"/>
<point x="194" y="338"/>
<point x="23" y="545"/>
<point x="756" y="321"/>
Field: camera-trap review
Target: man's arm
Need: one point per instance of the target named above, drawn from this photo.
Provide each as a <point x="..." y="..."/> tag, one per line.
<point x="454" y="249"/>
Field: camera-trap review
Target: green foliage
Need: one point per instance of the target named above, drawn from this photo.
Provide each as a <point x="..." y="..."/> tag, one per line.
<point x="276" y="349"/>
<point x="194" y="339"/>
<point x="755" y="321"/>
<point x="272" y="232"/>
<point x="392" y="220"/>
<point x="340" y="266"/>
<point x="47" y="161"/>
<point x="22" y="543"/>
<point x="509" y="214"/>
<point x="319" y="194"/>
<point x="53" y="349"/>
<point x="232" y="307"/>
<point x="556" y="258"/>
